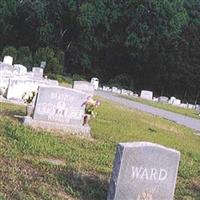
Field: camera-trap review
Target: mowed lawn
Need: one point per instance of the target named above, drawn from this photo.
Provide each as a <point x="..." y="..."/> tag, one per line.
<point x="168" y="107"/>
<point x="42" y="165"/>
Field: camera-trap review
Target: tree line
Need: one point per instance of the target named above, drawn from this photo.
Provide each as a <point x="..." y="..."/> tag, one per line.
<point x="135" y="44"/>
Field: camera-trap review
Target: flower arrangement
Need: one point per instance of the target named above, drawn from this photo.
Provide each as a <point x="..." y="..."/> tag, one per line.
<point x="90" y="105"/>
<point x="28" y="97"/>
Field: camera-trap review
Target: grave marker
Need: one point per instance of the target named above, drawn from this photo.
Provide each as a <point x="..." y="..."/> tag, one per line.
<point x="143" y="170"/>
<point x="84" y="86"/>
<point x="59" y="108"/>
<point x="145" y="94"/>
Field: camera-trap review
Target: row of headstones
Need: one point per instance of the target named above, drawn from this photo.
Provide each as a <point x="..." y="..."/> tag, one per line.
<point x="7" y="69"/>
<point x="118" y="91"/>
<point x="145" y="94"/>
<point x="16" y="81"/>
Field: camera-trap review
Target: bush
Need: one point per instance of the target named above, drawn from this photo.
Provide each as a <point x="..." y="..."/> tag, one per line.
<point x="24" y="57"/>
<point x="77" y="77"/>
<point x="10" y="51"/>
<point x="47" y="54"/>
<point x="60" y="78"/>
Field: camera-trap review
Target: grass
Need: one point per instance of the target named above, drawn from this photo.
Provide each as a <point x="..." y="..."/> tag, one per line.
<point x="25" y="172"/>
<point x="183" y="111"/>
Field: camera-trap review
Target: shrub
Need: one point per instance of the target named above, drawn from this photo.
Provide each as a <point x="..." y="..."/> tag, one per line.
<point x="10" y="51"/>
<point x="47" y="54"/>
<point x="24" y="57"/>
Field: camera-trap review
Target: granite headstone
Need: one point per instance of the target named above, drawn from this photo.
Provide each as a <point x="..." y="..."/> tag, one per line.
<point x="143" y="171"/>
<point x="59" y="108"/>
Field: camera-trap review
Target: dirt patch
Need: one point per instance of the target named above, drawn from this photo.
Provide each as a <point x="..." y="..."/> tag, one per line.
<point x="53" y="161"/>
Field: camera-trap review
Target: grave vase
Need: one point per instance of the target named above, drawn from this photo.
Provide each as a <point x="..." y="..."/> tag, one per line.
<point x="29" y="110"/>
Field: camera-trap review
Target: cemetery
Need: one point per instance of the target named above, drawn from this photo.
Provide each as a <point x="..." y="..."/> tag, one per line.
<point x="100" y="100"/>
<point x="45" y="122"/>
<point x="128" y="156"/>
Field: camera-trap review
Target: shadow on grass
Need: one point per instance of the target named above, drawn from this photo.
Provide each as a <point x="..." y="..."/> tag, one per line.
<point x="83" y="186"/>
<point x="12" y="113"/>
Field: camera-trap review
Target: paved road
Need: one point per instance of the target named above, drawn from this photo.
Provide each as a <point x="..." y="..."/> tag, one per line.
<point x="177" y="118"/>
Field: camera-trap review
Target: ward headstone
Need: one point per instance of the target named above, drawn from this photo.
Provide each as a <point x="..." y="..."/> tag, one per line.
<point x="143" y="171"/>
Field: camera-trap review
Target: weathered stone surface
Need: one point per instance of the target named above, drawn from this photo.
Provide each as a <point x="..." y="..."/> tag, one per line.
<point x="19" y="70"/>
<point x="95" y="82"/>
<point x="84" y="86"/>
<point x="6" y="70"/>
<point x="18" y="86"/>
<point x="59" y="109"/>
<point x="58" y="104"/>
<point x="145" y="94"/>
<point x="8" y="60"/>
<point x="38" y="72"/>
<point x="163" y="99"/>
<point x="62" y="128"/>
<point x="143" y="171"/>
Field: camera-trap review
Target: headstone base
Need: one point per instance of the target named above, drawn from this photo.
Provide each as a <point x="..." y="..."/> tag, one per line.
<point x="60" y="127"/>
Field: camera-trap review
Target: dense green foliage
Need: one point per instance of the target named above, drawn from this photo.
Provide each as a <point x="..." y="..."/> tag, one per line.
<point x="154" y="44"/>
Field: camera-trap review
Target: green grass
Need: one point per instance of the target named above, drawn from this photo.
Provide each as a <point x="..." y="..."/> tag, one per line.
<point x="183" y="111"/>
<point x="88" y="162"/>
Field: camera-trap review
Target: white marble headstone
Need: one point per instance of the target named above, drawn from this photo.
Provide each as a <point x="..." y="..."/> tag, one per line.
<point x="8" y="60"/>
<point x="145" y="94"/>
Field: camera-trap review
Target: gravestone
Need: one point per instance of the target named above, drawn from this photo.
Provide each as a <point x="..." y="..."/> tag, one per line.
<point x="43" y="64"/>
<point x="130" y="93"/>
<point x="38" y="72"/>
<point x="6" y="70"/>
<point x="116" y="90"/>
<point x="8" y="60"/>
<point x="95" y="82"/>
<point x="106" y="88"/>
<point x="145" y="94"/>
<point x="18" y="87"/>
<point x="155" y="99"/>
<point x="84" y="86"/>
<point x="19" y="70"/>
<point x="143" y="171"/>
<point x="172" y="100"/>
<point x="163" y="99"/>
<point x="59" y="108"/>
<point x="183" y="105"/>
<point x="124" y="92"/>
<point x="177" y="102"/>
